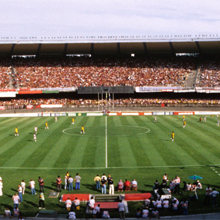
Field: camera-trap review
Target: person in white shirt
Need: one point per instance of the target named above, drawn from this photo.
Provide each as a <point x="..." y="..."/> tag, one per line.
<point x="104" y="176"/>
<point x="35" y="129"/>
<point x="20" y="193"/>
<point x="214" y="194"/>
<point x="16" y="200"/>
<point x="1" y="187"/>
<point x="145" y="213"/>
<point x="121" y="209"/>
<point x="70" y="182"/>
<point x="76" y="203"/>
<point x="23" y="184"/>
<point x="134" y="185"/>
<point x="72" y="215"/>
<point x="166" y="204"/>
<point x="91" y="203"/>
<point x="35" y="137"/>
<point x="68" y="204"/>
<point x="96" y="211"/>
<point x="159" y="204"/>
<point x="32" y="186"/>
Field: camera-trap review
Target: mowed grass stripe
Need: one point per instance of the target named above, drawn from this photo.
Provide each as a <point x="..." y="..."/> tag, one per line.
<point x="153" y="157"/>
<point x="190" y="143"/>
<point x="204" y="137"/>
<point x="23" y="151"/>
<point x="114" y="154"/>
<point x="79" y="147"/>
<point x="15" y="144"/>
<point x="67" y="149"/>
<point x="210" y="132"/>
<point x="125" y="148"/>
<point x="138" y="144"/>
<point x="8" y="131"/>
<point x="94" y="144"/>
<point x="52" y="159"/>
<point x="159" y="149"/>
<point x="46" y="140"/>
<point x="178" y="145"/>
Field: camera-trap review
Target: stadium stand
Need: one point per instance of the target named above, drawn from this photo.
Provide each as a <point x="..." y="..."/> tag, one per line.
<point x="73" y="71"/>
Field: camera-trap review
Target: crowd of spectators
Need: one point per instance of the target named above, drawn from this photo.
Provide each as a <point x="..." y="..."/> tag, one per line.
<point x="85" y="71"/>
<point x="129" y="102"/>
<point x="209" y="73"/>
<point x="5" y="74"/>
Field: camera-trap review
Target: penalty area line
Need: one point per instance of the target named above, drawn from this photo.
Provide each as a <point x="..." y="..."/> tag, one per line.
<point x="92" y="168"/>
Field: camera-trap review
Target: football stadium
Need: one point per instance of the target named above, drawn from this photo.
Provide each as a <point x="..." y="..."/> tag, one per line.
<point x="108" y="124"/>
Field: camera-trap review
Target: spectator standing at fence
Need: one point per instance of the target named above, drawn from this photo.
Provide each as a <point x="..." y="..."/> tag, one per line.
<point x="32" y="186"/>
<point x="70" y="182"/>
<point x="103" y="182"/>
<point x="66" y="180"/>
<point x="41" y="183"/>
<point x="58" y="183"/>
<point x="111" y="186"/>
<point x="97" y="180"/>
<point x="77" y="180"/>
<point x="41" y="200"/>
<point x="1" y="187"/>
<point x="121" y="209"/>
<point x="214" y="194"/>
<point x="16" y="200"/>
<point x="20" y="193"/>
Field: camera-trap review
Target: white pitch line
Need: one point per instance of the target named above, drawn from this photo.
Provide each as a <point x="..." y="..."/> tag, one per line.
<point x="92" y="168"/>
<point x="106" y="146"/>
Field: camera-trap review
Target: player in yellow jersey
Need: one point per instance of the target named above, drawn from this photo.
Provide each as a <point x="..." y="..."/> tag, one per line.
<point x="82" y="130"/>
<point x="184" y="124"/>
<point x="183" y="117"/>
<point x="16" y="131"/>
<point x="73" y="121"/>
<point x="172" y="136"/>
<point x="46" y="126"/>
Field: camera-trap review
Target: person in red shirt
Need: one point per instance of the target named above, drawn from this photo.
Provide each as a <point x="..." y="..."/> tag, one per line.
<point x="127" y="185"/>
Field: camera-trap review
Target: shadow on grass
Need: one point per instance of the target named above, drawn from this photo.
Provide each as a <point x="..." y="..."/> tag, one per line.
<point x="165" y="139"/>
<point x="91" y="186"/>
<point x="31" y="203"/>
<point x="15" y="190"/>
<point x="49" y="187"/>
<point x="7" y="206"/>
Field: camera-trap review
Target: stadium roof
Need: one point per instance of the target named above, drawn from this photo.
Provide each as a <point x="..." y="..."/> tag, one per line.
<point x="114" y="48"/>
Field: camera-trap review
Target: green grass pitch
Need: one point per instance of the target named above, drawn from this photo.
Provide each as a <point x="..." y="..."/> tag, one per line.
<point x="126" y="147"/>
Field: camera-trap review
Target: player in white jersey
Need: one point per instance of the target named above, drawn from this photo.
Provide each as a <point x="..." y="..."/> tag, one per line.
<point x="35" y="129"/>
<point x="35" y="137"/>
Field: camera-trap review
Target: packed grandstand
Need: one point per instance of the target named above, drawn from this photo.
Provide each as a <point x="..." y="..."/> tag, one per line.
<point x="22" y="74"/>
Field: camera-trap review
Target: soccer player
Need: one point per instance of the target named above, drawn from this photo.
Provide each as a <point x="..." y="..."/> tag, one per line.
<point x="73" y="120"/>
<point x="205" y="118"/>
<point x="183" y="117"/>
<point x="55" y="118"/>
<point x="82" y="130"/>
<point x="35" y="137"/>
<point x="184" y="124"/>
<point x="16" y="131"/>
<point x="35" y="129"/>
<point x="155" y="119"/>
<point x="46" y="126"/>
<point x="172" y="136"/>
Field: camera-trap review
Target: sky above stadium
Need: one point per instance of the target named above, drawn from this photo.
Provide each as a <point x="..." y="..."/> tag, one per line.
<point x="108" y="17"/>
